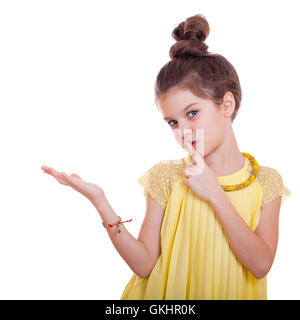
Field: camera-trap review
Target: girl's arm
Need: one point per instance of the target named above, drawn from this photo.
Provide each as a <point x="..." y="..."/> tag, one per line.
<point x="140" y="254"/>
<point x="256" y="251"/>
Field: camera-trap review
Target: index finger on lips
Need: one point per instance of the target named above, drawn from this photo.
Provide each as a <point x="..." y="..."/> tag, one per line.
<point x="197" y="158"/>
<point x="188" y="147"/>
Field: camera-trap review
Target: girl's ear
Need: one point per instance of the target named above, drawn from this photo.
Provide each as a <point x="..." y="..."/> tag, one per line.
<point x="229" y="104"/>
<point x="227" y="112"/>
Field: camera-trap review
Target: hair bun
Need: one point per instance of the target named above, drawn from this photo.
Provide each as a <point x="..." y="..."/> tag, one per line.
<point x="190" y="36"/>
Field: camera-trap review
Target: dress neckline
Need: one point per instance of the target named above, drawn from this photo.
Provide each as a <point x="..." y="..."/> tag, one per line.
<point x="237" y="173"/>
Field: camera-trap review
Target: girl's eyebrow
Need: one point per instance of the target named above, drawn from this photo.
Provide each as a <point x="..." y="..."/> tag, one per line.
<point x="184" y="109"/>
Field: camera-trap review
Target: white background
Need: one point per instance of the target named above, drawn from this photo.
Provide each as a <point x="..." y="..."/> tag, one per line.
<point x="77" y="94"/>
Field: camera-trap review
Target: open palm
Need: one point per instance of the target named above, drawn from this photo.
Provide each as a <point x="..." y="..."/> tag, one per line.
<point x="88" y="189"/>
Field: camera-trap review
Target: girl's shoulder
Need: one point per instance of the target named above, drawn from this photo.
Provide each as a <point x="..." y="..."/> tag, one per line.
<point x="158" y="179"/>
<point x="272" y="184"/>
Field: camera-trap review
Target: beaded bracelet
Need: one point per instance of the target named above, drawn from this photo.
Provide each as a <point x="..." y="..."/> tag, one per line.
<point x="117" y="224"/>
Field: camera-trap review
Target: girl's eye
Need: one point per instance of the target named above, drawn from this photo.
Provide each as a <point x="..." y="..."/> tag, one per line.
<point x="187" y="114"/>
<point x="193" y="111"/>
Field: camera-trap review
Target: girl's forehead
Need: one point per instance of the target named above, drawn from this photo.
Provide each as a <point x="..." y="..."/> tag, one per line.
<point x="178" y="99"/>
<point x="178" y="93"/>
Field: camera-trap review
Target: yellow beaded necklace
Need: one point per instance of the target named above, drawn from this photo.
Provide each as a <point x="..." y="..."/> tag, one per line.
<point x="251" y="178"/>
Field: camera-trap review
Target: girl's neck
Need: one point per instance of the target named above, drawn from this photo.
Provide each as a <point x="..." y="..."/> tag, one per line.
<point x="226" y="158"/>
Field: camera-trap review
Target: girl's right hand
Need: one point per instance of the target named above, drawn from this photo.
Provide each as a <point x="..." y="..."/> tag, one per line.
<point x="90" y="190"/>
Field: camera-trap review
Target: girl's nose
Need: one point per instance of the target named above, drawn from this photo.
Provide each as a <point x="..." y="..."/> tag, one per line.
<point x="185" y="132"/>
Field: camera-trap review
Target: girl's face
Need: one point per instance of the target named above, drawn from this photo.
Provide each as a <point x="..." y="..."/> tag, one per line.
<point x="185" y="113"/>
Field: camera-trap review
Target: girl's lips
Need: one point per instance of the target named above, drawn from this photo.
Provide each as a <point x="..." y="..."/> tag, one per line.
<point x="194" y="143"/>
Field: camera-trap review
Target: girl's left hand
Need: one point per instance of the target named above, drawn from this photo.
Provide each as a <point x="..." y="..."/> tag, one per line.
<point x="199" y="177"/>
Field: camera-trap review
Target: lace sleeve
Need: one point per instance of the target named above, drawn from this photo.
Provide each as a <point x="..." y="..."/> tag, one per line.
<point x="272" y="185"/>
<point x="156" y="181"/>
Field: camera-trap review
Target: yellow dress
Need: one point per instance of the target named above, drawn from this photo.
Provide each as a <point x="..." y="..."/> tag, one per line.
<point x="196" y="260"/>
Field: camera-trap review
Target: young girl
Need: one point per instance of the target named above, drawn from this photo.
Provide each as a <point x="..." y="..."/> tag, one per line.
<point x="211" y="226"/>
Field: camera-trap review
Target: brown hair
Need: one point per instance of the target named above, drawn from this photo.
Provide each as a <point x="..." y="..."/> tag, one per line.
<point x="192" y="67"/>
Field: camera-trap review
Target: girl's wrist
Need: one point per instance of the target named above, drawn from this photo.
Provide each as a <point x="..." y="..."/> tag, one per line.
<point x="217" y="195"/>
<point x="100" y="202"/>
